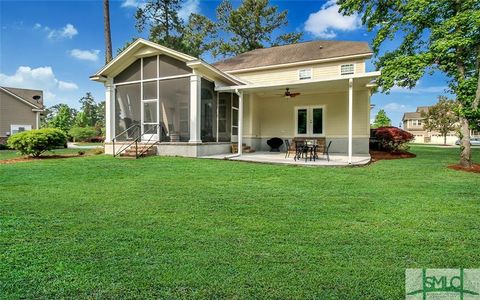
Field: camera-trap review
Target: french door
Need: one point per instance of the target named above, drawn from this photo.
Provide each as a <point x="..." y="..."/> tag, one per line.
<point x="310" y="121"/>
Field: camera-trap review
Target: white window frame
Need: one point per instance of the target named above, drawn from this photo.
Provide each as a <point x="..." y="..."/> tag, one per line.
<point x="416" y="122"/>
<point x="349" y="64"/>
<point x="310" y="109"/>
<point x="306" y="70"/>
<point x="19" y="125"/>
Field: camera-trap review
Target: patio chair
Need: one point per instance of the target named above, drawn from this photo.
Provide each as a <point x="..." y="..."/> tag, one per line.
<point x="328" y="149"/>
<point x="300" y="150"/>
<point x="289" y="148"/>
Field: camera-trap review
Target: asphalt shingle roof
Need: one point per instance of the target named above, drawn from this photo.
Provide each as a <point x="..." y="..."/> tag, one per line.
<point x="299" y="52"/>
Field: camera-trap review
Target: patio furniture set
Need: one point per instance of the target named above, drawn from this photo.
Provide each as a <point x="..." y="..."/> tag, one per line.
<point x="308" y="149"/>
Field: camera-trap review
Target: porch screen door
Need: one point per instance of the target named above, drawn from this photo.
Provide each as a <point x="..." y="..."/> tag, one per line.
<point x="150" y="119"/>
<point x="309" y="121"/>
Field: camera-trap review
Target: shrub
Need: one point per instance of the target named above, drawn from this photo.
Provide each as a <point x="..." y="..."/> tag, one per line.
<point x="96" y="139"/>
<point x="35" y="142"/>
<point x="82" y="134"/>
<point x="392" y="138"/>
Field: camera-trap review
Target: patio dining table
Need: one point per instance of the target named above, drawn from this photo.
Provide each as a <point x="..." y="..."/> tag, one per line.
<point x="307" y="149"/>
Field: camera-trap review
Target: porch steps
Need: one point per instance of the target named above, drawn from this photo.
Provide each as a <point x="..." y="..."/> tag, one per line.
<point x="245" y="148"/>
<point x="150" y="150"/>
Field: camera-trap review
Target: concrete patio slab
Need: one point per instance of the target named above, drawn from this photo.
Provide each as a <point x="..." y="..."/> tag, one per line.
<point x="336" y="159"/>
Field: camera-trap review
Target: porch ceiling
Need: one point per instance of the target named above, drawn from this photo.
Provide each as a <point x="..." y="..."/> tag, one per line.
<point x="326" y="85"/>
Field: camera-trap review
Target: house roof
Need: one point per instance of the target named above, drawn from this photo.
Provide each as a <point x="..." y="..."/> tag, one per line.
<point x="144" y="48"/>
<point x="424" y="109"/>
<point x="26" y="96"/>
<point x="417" y="114"/>
<point x="294" y="53"/>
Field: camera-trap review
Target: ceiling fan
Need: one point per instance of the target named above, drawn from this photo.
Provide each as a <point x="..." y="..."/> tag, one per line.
<point x="289" y="94"/>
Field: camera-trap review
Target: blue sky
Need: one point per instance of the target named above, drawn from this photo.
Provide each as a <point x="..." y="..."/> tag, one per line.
<point x="56" y="45"/>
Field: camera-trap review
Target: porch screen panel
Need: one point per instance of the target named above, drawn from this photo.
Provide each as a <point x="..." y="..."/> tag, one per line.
<point x="175" y="110"/>
<point x="127" y="109"/>
<point x="208" y="112"/>
<point x="170" y="66"/>
<point x="224" y="117"/>
<point x="234" y="114"/>
<point x="131" y="73"/>
<point x="150" y="67"/>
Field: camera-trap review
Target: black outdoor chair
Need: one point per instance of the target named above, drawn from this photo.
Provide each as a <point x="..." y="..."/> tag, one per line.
<point x="328" y="149"/>
<point x="300" y="150"/>
<point x="288" y="148"/>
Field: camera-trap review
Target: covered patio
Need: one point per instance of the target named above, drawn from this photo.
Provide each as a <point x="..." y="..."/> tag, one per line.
<point x="335" y="109"/>
<point x="336" y="159"/>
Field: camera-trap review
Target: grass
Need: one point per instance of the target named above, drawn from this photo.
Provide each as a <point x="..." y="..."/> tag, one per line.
<point x="99" y="227"/>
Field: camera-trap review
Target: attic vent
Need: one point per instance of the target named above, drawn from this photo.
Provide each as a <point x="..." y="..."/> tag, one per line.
<point x="36" y="97"/>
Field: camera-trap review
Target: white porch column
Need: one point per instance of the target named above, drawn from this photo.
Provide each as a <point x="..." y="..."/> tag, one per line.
<point x="240" y="122"/>
<point x="109" y="110"/>
<point x="195" y="108"/>
<point x="350" y="119"/>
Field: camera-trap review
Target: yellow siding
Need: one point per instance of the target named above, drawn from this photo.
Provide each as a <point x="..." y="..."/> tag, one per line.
<point x="276" y="116"/>
<point x="289" y="74"/>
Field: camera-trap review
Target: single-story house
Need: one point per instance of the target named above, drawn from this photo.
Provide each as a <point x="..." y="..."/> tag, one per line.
<point x="193" y="108"/>
<point x="20" y="110"/>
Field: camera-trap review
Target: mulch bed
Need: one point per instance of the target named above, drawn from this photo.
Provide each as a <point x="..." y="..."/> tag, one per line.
<point x="384" y="155"/>
<point x="474" y="169"/>
<point x="28" y="158"/>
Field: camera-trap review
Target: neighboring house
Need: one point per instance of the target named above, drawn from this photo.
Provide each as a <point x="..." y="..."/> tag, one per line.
<point x="20" y="110"/>
<point x="196" y="109"/>
<point x="413" y="123"/>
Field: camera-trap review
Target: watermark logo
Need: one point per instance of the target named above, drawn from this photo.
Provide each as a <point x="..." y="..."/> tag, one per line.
<point x="442" y="284"/>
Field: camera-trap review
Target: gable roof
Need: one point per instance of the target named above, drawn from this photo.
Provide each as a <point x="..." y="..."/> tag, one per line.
<point x="295" y="53"/>
<point x="26" y="96"/>
<point x="144" y="48"/>
<point x="139" y="48"/>
<point x="416" y="114"/>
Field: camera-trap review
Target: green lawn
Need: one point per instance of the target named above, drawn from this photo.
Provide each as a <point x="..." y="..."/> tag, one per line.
<point x="100" y="227"/>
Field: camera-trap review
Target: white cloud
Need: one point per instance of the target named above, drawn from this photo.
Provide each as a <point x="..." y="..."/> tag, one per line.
<point x="91" y="55"/>
<point x="67" y="32"/>
<point x="67" y="86"/>
<point x="42" y="78"/>
<point x="130" y="3"/>
<point x="325" y="22"/>
<point x="420" y="90"/>
<point x="37" y="26"/>
<point x="188" y="8"/>
<point x="397" y="107"/>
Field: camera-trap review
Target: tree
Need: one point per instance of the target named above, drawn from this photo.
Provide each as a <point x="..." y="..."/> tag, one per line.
<point x="381" y="119"/>
<point x="107" y="32"/>
<point x="81" y="120"/>
<point x="89" y="108"/>
<point x="193" y="36"/>
<point x="63" y="118"/>
<point x="441" y="117"/>
<point x="251" y="26"/>
<point x="161" y="18"/>
<point x="435" y="35"/>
